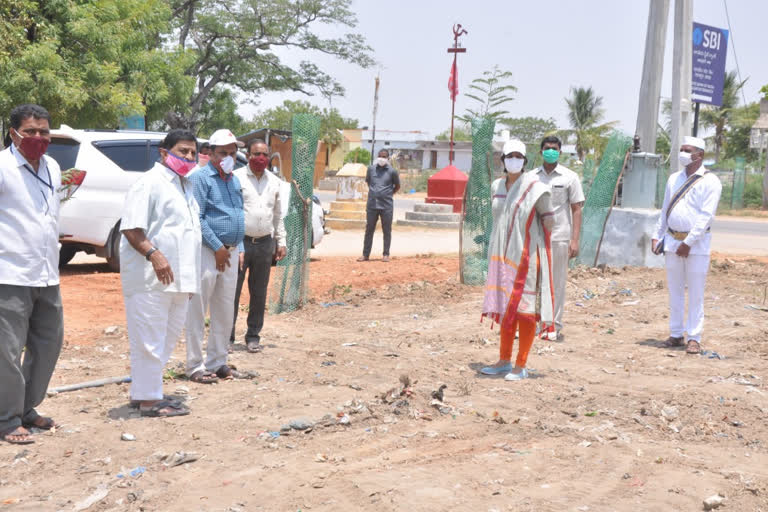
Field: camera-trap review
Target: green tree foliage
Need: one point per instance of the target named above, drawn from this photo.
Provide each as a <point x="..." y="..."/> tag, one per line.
<point x="529" y="129"/>
<point x="585" y="115"/>
<point x="220" y="111"/>
<point x="241" y="44"/>
<point x="331" y="121"/>
<point x="490" y="92"/>
<point x="358" y="155"/>
<point x="89" y="62"/>
<point x="461" y="132"/>
<point x="739" y="130"/>
<point x="719" y="117"/>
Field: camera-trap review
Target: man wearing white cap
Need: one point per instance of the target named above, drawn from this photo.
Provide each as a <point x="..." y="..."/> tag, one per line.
<point x="220" y="198"/>
<point x="683" y="235"/>
<point x="567" y="201"/>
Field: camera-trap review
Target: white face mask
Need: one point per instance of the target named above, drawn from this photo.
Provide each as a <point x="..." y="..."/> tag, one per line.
<point x="227" y="164"/>
<point x="381" y="161"/>
<point x="514" y="165"/>
<point x="684" y="159"/>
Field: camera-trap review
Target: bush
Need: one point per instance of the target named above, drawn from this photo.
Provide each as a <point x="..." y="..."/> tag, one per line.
<point x="358" y="155"/>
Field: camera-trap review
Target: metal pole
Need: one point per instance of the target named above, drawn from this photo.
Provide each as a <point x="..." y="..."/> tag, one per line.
<point x="696" y="119"/>
<point x="375" y="109"/>
<point x="453" y="102"/>
<point x="653" y="68"/>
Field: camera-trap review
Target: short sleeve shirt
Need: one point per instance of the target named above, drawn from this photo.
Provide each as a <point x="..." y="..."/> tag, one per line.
<point x="163" y="205"/>
<point x="381" y="186"/>
<point x="566" y="190"/>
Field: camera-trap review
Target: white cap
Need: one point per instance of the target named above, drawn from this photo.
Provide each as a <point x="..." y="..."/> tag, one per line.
<point x="514" y="146"/>
<point x="224" y="137"/>
<point x="695" y="142"/>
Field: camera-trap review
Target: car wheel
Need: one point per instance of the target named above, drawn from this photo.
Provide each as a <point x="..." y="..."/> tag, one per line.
<point x="114" y="260"/>
<point x="66" y="253"/>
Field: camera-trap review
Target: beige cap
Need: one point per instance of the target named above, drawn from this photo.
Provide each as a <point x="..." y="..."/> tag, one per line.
<point x="224" y="137"/>
<point x="514" y="146"/>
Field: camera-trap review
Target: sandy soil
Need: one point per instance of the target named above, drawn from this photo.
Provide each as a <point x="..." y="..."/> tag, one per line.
<point x="611" y="421"/>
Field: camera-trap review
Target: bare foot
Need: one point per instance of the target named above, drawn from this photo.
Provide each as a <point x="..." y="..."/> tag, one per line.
<point x="19" y="435"/>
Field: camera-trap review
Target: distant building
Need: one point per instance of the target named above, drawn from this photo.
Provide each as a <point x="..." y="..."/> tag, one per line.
<point x="758" y="138"/>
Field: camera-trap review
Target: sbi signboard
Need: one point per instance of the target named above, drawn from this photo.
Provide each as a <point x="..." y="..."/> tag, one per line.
<point x="710" y="48"/>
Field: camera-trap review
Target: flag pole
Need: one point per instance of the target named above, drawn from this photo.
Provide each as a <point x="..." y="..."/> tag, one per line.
<point x="457" y="31"/>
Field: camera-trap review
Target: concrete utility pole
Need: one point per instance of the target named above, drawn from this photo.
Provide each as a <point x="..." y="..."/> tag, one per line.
<point x="682" y="63"/>
<point x="653" y="69"/>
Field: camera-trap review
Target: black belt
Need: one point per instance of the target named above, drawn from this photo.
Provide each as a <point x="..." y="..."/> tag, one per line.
<point x="257" y="240"/>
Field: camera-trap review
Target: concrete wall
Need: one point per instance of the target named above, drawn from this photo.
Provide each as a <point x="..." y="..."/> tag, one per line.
<point x="462" y="159"/>
<point x="627" y="238"/>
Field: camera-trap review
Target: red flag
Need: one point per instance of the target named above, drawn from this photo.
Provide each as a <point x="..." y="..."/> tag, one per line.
<point x="453" y="81"/>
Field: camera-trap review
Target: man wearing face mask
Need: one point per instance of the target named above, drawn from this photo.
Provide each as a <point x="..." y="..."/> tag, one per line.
<point x="159" y="268"/>
<point x="264" y="237"/>
<point x="31" y="320"/>
<point x="683" y="235"/>
<point x="567" y="201"/>
<point x="220" y="199"/>
<point x="383" y="182"/>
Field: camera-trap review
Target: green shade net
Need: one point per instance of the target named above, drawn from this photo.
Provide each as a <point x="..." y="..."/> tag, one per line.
<point x="661" y="184"/>
<point x="291" y="276"/>
<point x="737" y="192"/>
<point x="476" y="210"/>
<point x="601" y="196"/>
<point x="588" y="174"/>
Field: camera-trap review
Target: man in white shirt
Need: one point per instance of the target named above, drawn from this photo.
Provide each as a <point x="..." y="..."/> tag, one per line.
<point x="31" y="318"/>
<point x="690" y="203"/>
<point x="567" y="200"/>
<point x="159" y="267"/>
<point x="264" y="237"/>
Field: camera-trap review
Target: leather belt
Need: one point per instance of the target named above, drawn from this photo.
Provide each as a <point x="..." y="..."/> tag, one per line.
<point x="257" y="240"/>
<point x="680" y="235"/>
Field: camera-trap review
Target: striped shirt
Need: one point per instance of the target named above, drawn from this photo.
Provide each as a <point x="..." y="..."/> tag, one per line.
<point x="221" y="208"/>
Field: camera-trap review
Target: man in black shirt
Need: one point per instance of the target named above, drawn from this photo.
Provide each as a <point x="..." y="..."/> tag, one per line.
<point x="383" y="182"/>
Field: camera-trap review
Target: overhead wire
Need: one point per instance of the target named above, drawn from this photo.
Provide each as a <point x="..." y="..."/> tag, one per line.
<point x="733" y="45"/>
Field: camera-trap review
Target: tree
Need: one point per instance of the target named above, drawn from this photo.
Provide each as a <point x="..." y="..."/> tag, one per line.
<point x="719" y="117"/>
<point x="462" y="133"/>
<point x="331" y="121"/>
<point x="529" y="129"/>
<point x="358" y="155"/>
<point x="88" y="62"/>
<point x="739" y="130"/>
<point x="491" y="93"/>
<point x="239" y="44"/>
<point x="585" y="113"/>
<point x="220" y="111"/>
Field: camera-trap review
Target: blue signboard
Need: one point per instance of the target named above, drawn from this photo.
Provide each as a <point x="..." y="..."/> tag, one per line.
<point x="710" y="48"/>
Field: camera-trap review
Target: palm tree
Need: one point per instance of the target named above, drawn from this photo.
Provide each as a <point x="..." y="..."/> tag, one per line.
<point x="585" y="113"/>
<point x="719" y="117"/>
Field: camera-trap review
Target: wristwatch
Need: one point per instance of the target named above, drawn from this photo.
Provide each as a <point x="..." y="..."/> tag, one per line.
<point x="149" y="253"/>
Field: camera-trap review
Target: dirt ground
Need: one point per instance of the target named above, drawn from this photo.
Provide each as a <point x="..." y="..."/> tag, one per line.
<point x="611" y="421"/>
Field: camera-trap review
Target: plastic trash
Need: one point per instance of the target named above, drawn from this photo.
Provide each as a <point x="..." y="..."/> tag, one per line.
<point x="133" y="473"/>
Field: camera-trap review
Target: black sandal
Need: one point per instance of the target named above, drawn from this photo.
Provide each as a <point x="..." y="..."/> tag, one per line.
<point x="155" y="411"/>
<point x="15" y="432"/>
<point x="203" y="377"/>
<point x="227" y="373"/>
<point x="674" y="342"/>
<point x="47" y="423"/>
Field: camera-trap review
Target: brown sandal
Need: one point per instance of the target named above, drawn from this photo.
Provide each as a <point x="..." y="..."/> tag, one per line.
<point x="694" y="347"/>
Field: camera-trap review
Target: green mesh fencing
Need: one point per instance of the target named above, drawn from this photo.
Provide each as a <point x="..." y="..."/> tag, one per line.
<point x="737" y="192"/>
<point x="601" y="196"/>
<point x="661" y="184"/>
<point x="476" y="217"/>
<point x="291" y="276"/>
<point x="587" y="174"/>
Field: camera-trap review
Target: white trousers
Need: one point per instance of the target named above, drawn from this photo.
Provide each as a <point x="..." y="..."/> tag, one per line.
<point x="217" y="296"/>
<point x="155" y="320"/>
<point x="690" y="272"/>
<point x="559" y="278"/>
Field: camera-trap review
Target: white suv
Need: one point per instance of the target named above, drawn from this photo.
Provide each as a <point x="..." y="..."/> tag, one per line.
<point x="113" y="161"/>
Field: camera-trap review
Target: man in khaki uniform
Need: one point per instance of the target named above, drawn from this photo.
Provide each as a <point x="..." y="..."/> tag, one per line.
<point x="567" y="200"/>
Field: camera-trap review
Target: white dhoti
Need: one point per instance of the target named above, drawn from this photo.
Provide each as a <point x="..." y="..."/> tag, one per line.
<point x="155" y="320"/>
<point x="559" y="279"/>
<point x="682" y="273"/>
<point x="218" y="298"/>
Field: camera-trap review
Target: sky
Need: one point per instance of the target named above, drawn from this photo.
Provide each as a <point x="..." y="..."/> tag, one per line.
<point x="550" y="46"/>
